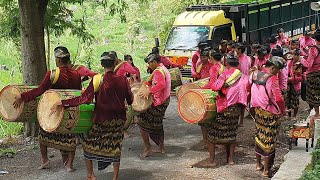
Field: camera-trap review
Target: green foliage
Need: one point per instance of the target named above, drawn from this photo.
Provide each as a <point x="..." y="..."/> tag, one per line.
<point x="312" y="172"/>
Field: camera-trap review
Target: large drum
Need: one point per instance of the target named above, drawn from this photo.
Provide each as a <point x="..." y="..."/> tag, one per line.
<point x="71" y="120"/>
<point x="193" y="85"/>
<point x="140" y="104"/>
<point x="176" y="78"/>
<point x="198" y="106"/>
<point x="26" y="111"/>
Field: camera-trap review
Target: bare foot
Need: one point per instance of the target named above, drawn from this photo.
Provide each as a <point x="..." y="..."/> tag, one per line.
<point x="265" y="174"/>
<point x="205" y="164"/>
<point x="231" y="162"/>
<point x="93" y="177"/>
<point x="259" y="167"/>
<point x="68" y="167"/>
<point x="146" y="152"/>
<point x="44" y="165"/>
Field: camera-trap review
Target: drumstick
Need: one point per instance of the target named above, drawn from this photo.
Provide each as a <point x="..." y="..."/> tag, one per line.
<point x="250" y="114"/>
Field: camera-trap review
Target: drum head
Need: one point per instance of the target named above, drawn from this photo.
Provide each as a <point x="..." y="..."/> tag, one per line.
<point x="140" y="104"/>
<point x="52" y="123"/>
<point x="192" y="107"/>
<point x="7" y="98"/>
<point x="184" y="88"/>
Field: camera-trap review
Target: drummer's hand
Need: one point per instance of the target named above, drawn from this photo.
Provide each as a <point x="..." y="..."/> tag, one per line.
<point x="145" y="93"/>
<point x="55" y="107"/>
<point x="17" y="103"/>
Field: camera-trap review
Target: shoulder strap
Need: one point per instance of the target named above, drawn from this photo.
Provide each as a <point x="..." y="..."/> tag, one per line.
<point x="260" y="77"/>
<point x="236" y="75"/>
<point x="199" y="68"/>
<point x="118" y="66"/>
<point x="221" y="69"/>
<point x="97" y="81"/>
<point x="54" y="75"/>
<point x="157" y="69"/>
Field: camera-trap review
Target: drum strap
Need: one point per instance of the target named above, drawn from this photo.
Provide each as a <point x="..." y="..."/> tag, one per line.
<point x="236" y="75"/>
<point x="97" y="81"/>
<point x="261" y="78"/>
<point x="54" y="75"/>
<point x="157" y="69"/>
<point x="221" y="69"/>
<point x="118" y="66"/>
<point x="199" y="68"/>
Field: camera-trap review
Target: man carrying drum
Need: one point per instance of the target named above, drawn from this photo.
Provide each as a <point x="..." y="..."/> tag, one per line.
<point x="269" y="105"/>
<point x="64" y="77"/>
<point x="151" y="121"/>
<point x="232" y="88"/>
<point x="104" y="140"/>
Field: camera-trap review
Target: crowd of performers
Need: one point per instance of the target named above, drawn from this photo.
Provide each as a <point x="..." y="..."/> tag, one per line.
<point x="268" y="81"/>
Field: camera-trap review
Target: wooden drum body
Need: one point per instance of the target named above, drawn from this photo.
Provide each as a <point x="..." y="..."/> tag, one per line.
<point x="140" y="104"/>
<point x="193" y="85"/>
<point x="26" y="112"/>
<point x="71" y="120"/>
<point x="198" y="106"/>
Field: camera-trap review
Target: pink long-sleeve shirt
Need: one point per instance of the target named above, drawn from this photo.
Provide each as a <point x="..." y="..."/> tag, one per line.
<point x="235" y="94"/>
<point x="214" y="74"/>
<point x="312" y="63"/>
<point x="259" y="62"/>
<point x="205" y="70"/>
<point x="166" y="62"/>
<point x="244" y="64"/>
<point x="125" y="68"/>
<point x="283" y="41"/>
<point x="274" y="103"/>
<point x="295" y="77"/>
<point x="161" y="85"/>
<point x="195" y="59"/>
<point x="283" y="79"/>
<point x="304" y="43"/>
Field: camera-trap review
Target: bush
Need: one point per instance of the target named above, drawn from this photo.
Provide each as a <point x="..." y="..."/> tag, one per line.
<point x="312" y="171"/>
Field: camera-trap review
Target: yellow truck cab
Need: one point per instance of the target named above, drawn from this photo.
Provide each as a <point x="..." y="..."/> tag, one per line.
<point x="245" y="23"/>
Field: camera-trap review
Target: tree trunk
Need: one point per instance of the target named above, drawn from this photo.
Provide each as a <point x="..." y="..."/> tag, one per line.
<point x="32" y="46"/>
<point x="48" y="48"/>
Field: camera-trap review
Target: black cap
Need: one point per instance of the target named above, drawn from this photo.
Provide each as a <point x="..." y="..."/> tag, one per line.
<point x="231" y="58"/>
<point x="152" y="57"/>
<point x="108" y="57"/>
<point x="262" y="51"/>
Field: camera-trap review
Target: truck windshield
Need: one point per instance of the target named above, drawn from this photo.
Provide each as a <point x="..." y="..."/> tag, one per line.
<point x="186" y="37"/>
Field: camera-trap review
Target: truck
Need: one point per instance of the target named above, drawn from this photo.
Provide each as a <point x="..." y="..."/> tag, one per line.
<point x="247" y="23"/>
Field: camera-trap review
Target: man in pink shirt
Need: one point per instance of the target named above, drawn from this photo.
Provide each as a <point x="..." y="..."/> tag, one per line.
<point x="244" y="60"/>
<point x="231" y="86"/>
<point x="294" y="82"/>
<point x="203" y="71"/>
<point x="216" y="70"/>
<point x="283" y="73"/>
<point x="151" y="121"/>
<point x="282" y="39"/>
<point x="273" y="40"/>
<point x="244" y="67"/>
<point x="260" y="59"/>
<point x="196" y="59"/>
<point x="306" y="41"/>
<point x="163" y="59"/>
<point x="123" y="67"/>
<point x="269" y="105"/>
<point x="203" y="66"/>
<point x="312" y="63"/>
